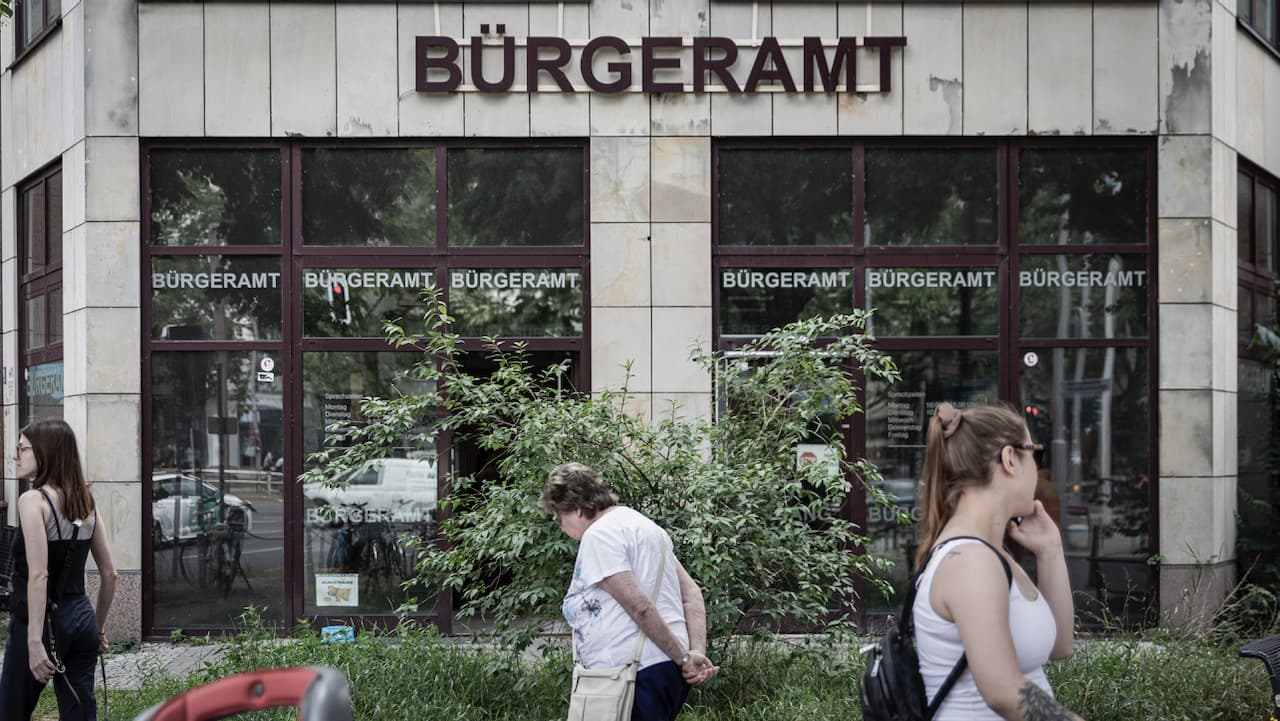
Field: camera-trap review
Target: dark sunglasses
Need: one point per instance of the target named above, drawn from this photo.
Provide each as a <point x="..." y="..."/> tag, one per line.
<point x="1033" y="447"/>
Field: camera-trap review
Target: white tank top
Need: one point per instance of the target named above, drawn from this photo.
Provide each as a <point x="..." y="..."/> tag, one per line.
<point x="939" y="648"/>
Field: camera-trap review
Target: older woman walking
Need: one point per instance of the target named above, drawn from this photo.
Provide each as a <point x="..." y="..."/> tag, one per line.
<point x="611" y="598"/>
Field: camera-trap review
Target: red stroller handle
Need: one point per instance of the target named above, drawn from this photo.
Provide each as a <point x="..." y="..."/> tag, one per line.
<point x="320" y="693"/>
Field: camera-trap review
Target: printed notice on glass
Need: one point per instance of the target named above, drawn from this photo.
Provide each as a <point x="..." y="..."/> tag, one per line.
<point x="906" y="419"/>
<point x="337" y="589"/>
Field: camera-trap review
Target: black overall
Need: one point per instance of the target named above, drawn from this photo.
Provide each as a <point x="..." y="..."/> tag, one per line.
<point x="76" y="628"/>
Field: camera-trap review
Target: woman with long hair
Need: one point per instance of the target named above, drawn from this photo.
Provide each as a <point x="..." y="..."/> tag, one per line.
<point x="54" y="632"/>
<point x="979" y="484"/>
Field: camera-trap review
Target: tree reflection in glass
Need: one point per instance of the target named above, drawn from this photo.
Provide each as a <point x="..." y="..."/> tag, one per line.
<point x="785" y="197"/>
<point x="931" y="197"/>
<point x="508" y="196"/>
<point x="215" y="197"/>
<point x="1071" y="197"/>
<point x="369" y="196"/>
<point x="215" y="297"/>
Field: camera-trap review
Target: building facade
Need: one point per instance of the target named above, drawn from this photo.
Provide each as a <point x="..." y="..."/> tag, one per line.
<point x="209" y="209"/>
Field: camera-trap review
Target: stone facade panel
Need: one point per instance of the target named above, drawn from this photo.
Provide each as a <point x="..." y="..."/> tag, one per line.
<point x="496" y="116"/>
<point x="682" y="259"/>
<point x="1124" y="69"/>
<point x="676" y="332"/>
<point x="1186" y="66"/>
<point x="1189" y="328"/>
<point x="680" y="114"/>
<point x="170" y="69"/>
<point x="426" y="114"/>
<point x="1271" y="117"/>
<point x="1186" y="434"/>
<point x="559" y="114"/>
<point x="237" y="73"/>
<point x="995" y="72"/>
<point x="620" y="265"/>
<point x="1224" y="74"/>
<point x="620" y="180"/>
<point x="1059" y="69"/>
<point x="1185" y="186"/>
<point x="1186" y="534"/>
<point x="619" y="114"/>
<point x="111" y="179"/>
<point x="1251" y="134"/>
<point x="741" y="114"/>
<point x="303" y="77"/>
<point x="1187" y="261"/>
<point x="366" y="67"/>
<point x="73" y="185"/>
<point x="681" y="182"/>
<point x="932" y="75"/>
<point x="111" y="67"/>
<point x="620" y="336"/>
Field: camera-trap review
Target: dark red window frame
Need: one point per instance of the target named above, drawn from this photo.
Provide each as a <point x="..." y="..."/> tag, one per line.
<point x="44" y="282"/>
<point x="1004" y="254"/>
<point x="50" y="20"/>
<point x="1249" y="14"/>
<point x="296" y="256"/>
<point x="1258" y="262"/>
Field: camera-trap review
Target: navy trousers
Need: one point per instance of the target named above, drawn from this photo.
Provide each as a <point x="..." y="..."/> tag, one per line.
<point x="660" y="692"/>
<point x="77" y="632"/>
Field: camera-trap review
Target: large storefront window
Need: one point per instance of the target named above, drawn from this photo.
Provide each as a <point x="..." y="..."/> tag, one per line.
<point x="40" y="293"/>
<point x="273" y="269"/>
<point x="997" y="271"/>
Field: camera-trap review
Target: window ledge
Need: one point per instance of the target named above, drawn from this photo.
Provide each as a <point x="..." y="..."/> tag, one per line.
<point x="1245" y="26"/>
<point x="36" y="42"/>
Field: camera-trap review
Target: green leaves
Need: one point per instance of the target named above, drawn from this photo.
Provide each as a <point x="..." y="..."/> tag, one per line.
<point x="761" y="533"/>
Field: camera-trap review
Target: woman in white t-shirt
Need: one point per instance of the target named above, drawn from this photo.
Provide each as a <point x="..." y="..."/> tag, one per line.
<point x="979" y="482"/>
<point x="611" y="596"/>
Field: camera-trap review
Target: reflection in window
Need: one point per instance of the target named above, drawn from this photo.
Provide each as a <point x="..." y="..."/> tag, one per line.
<point x="217" y="497"/>
<point x="931" y="197"/>
<point x="516" y="302"/>
<point x="354" y="302"/>
<point x="43" y="391"/>
<point x="1072" y="197"/>
<point x="785" y="197"/>
<point x="37" y="332"/>
<point x="933" y="301"/>
<point x="215" y="298"/>
<point x="757" y="300"/>
<point x="897" y="419"/>
<point x="369" y="196"/>
<point x="507" y="197"/>
<point x="1089" y="407"/>
<point x="215" y="197"/>
<point x="355" y="554"/>
<point x="1083" y="296"/>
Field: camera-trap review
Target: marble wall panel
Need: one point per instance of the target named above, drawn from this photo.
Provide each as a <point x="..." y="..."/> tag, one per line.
<point x="1188" y="327"/>
<point x="112" y="258"/>
<point x="681" y="179"/>
<point x="303" y="76"/>
<point x="170" y="69"/>
<point x="73" y="88"/>
<point x="683" y="405"/>
<point x="741" y="114"/>
<point x="803" y="113"/>
<point x="742" y="22"/>
<point x="108" y="336"/>
<point x="496" y="116"/>
<point x="620" y="179"/>
<point x="111" y="67"/>
<point x="429" y="114"/>
<point x="676" y="333"/>
<point x="871" y="113"/>
<point x="7" y="174"/>
<point x="620" y="264"/>
<point x="1187" y="260"/>
<point x="932" y="74"/>
<point x="554" y="113"/>
<point x="1185" y="183"/>
<point x="1186" y="433"/>
<point x="680" y="114"/>
<point x="1251" y="63"/>
<point x="680" y="18"/>
<point x="237" y="73"/>
<point x="995" y="69"/>
<point x="1185" y="66"/>
<point x="1271" y="117"/>
<point x="1060" y="69"/>
<point x="627" y="20"/>
<point x="76" y="274"/>
<point x="37" y="110"/>
<point x="682" y="262"/>
<point x="367" y="87"/>
<point x="111" y="179"/>
<point x="8" y="233"/>
<point x="1225" y="178"/>
<point x="120" y="505"/>
<point x="1225" y="370"/>
<point x="618" y="113"/>
<point x="515" y="21"/>
<point x="1189" y="531"/>
<point x="1225" y="266"/>
<point x="1223" y="61"/>
<point x="1125" y="83"/>
<point x="560" y="114"/>
<point x="620" y="336"/>
<point x="113" y="451"/>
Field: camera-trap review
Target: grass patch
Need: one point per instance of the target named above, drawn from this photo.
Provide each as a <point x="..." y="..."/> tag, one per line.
<point x="415" y="674"/>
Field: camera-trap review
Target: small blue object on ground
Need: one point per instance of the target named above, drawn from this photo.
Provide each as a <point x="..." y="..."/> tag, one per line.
<point x="338" y="634"/>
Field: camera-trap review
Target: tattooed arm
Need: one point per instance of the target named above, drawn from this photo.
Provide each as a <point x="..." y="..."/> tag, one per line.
<point x="970" y="589"/>
<point x="1036" y="705"/>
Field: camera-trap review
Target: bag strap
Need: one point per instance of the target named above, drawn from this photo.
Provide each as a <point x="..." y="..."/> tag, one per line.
<point x="657" y="586"/>
<point x="907" y="627"/>
<point x="60" y="585"/>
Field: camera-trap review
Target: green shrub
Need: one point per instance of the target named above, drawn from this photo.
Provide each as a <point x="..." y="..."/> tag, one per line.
<point x="762" y="535"/>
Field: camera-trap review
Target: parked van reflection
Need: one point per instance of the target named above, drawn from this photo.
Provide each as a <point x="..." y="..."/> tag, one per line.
<point x="388" y="490"/>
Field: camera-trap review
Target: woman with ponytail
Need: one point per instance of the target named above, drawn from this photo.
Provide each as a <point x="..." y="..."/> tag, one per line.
<point x="54" y="632"/>
<point x="973" y="600"/>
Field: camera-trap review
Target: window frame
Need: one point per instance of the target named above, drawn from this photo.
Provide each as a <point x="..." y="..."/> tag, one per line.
<point x="1252" y="276"/>
<point x="43" y="283"/>
<point x="297" y="256"/>
<point x="1005" y="255"/>
<point x="24" y="46"/>
<point x="1248" y="23"/>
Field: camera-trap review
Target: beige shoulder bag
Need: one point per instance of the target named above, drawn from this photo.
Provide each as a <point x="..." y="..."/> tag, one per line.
<point x="607" y="694"/>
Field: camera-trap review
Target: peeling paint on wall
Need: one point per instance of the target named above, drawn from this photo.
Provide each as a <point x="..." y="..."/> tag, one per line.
<point x="1188" y="102"/>
<point x="952" y="90"/>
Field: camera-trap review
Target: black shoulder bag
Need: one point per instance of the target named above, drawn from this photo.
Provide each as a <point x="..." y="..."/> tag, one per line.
<point x="891" y="686"/>
<point x="51" y="607"/>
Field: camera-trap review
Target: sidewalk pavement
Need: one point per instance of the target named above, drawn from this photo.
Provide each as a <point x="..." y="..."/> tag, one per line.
<point x="126" y="671"/>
